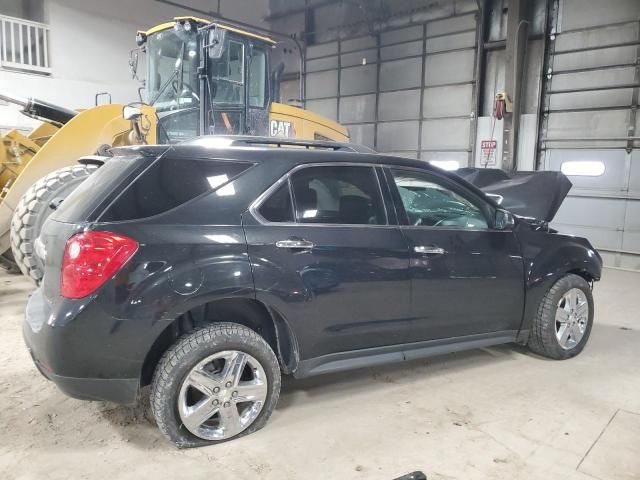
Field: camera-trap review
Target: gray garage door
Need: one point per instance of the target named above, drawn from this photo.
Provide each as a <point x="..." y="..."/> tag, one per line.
<point x="409" y="91"/>
<point x="592" y="127"/>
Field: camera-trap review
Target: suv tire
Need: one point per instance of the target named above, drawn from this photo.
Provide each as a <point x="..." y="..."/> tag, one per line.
<point x="207" y="356"/>
<point x="563" y="322"/>
<point x="33" y="209"/>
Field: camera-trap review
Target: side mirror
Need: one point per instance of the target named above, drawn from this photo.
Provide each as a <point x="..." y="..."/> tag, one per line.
<point x="131" y="113"/>
<point x="495" y="197"/>
<point x="133" y="64"/>
<point x="503" y="220"/>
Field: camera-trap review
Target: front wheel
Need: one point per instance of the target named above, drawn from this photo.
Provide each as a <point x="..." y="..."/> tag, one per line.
<point x="564" y="319"/>
<point x="217" y="383"/>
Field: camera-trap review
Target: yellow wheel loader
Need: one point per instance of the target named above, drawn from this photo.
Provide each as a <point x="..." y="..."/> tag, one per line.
<point x="202" y="78"/>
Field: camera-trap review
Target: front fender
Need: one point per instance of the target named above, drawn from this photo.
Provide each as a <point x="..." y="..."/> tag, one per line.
<point x="547" y="258"/>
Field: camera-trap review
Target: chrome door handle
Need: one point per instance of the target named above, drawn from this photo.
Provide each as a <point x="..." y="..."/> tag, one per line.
<point x="294" y="244"/>
<point x="431" y="249"/>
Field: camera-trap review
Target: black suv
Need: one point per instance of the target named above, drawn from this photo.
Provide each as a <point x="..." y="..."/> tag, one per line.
<point x="208" y="268"/>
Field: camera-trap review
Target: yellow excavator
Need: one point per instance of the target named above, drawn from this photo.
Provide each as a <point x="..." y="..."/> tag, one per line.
<point x="202" y="78"/>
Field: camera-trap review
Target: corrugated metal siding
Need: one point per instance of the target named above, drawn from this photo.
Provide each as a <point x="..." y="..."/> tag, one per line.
<point x="591" y="98"/>
<point x="408" y="90"/>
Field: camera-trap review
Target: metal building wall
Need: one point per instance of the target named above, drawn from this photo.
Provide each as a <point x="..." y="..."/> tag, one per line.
<point x="590" y="103"/>
<point x="494" y="80"/>
<point x="409" y="90"/>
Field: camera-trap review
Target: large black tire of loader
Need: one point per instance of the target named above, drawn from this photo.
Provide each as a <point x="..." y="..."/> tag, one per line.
<point x="35" y="206"/>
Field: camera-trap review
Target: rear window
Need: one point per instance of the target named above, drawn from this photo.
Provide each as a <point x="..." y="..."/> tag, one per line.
<point x="100" y="187"/>
<point x="169" y="183"/>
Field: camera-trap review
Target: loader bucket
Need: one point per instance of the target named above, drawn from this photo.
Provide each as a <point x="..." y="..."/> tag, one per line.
<point x="17" y="150"/>
<point x="80" y="136"/>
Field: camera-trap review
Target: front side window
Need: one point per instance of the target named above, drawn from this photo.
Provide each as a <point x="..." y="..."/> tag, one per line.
<point x="338" y="195"/>
<point x="430" y="204"/>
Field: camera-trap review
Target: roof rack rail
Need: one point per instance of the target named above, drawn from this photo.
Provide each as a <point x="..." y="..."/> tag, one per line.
<point x="308" y="144"/>
<point x="242" y="140"/>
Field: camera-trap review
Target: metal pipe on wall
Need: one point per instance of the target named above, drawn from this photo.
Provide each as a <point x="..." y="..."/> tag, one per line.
<point x="479" y="79"/>
<point x="517" y="34"/>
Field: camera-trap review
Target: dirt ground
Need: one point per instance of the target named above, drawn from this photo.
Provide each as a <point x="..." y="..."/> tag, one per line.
<point x="496" y="413"/>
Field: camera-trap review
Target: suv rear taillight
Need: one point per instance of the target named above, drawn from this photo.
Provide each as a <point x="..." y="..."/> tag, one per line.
<point x="92" y="258"/>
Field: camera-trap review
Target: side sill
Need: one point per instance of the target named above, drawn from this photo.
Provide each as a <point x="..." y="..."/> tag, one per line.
<point x="368" y="357"/>
<point x="523" y="337"/>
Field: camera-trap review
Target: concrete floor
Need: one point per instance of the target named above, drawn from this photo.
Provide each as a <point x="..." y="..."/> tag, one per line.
<point x="496" y="413"/>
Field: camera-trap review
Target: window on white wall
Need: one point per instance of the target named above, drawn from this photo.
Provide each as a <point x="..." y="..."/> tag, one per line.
<point x="25" y="9"/>
<point x="24" y="39"/>
<point x="446" y="164"/>
<point x="583" y="168"/>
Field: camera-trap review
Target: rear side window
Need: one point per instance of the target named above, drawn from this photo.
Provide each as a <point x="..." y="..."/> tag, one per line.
<point x="169" y="183"/>
<point x="98" y="189"/>
<point x="278" y="208"/>
<point x="337" y="195"/>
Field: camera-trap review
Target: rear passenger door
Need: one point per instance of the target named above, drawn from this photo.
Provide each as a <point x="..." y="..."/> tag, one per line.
<point x="329" y="258"/>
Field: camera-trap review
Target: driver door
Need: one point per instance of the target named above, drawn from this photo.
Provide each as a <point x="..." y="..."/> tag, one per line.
<point x="466" y="277"/>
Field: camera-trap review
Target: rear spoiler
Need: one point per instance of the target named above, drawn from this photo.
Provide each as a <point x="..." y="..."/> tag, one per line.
<point x="527" y="194"/>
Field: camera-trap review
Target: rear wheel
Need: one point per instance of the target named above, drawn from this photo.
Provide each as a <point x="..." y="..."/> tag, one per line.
<point x="564" y="319"/>
<point x="35" y="206"/>
<point x="217" y="383"/>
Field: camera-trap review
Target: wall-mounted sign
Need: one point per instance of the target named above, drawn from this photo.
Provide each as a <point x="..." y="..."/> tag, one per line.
<point x="488" y="153"/>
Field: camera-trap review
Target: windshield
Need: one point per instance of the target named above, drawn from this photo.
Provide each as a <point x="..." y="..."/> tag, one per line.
<point x="172" y="78"/>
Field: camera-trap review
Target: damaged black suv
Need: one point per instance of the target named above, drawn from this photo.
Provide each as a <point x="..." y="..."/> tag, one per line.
<point x="209" y="268"/>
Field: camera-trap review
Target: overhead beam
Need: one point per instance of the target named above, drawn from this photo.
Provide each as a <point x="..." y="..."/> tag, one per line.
<point x="301" y="9"/>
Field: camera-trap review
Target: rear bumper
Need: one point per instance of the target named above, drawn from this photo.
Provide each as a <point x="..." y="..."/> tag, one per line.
<point x="117" y="390"/>
<point x="52" y="350"/>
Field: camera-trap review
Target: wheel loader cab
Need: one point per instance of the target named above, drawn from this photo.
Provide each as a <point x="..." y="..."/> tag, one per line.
<point x="206" y="78"/>
<point x="172" y="85"/>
